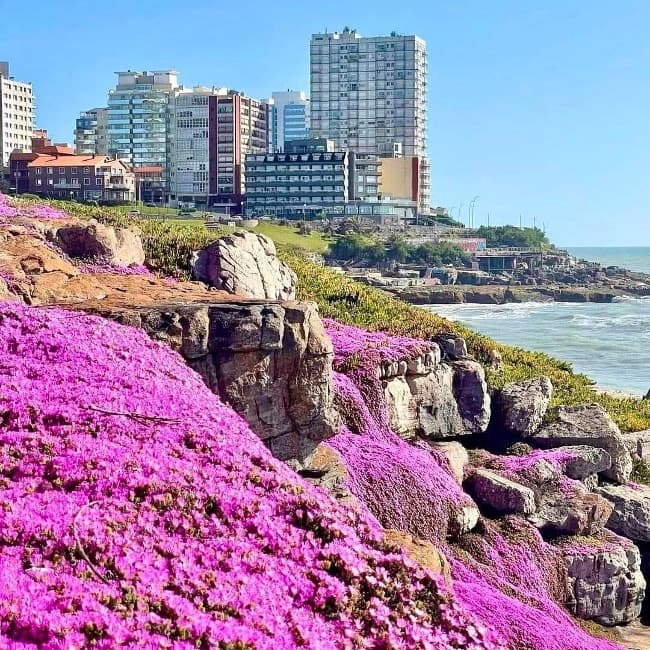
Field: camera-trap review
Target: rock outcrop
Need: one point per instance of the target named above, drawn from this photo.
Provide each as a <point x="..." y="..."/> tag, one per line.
<point x="499" y="494"/>
<point x="246" y="264"/>
<point x="578" y="512"/>
<point x="436" y="400"/>
<point x="588" y="425"/>
<point x="271" y="362"/>
<point x="119" y="246"/>
<point x="520" y="407"/>
<point x="604" y="579"/>
<point x="583" y="461"/>
<point x="631" y="510"/>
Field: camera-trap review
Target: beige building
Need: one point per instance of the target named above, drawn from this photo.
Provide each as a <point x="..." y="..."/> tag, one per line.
<point x="16" y="115"/>
<point x="399" y="178"/>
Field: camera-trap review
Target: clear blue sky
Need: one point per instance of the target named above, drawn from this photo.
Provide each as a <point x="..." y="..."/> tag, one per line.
<point x="540" y="108"/>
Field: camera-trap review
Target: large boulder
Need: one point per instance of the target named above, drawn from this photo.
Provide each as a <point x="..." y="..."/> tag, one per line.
<point x="435" y="400"/>
<point x="588" y="425"/>
<point x="604" y="579"/>
<point x="272" y="363"/>
<point x="583" y="461"/>
<point x="499" y="494"/>
<point x="246" y="264"/>
<point x="571" y="512"/>
<point x="631" y="514"/>
<point x="472" y="396"/>
<point x="520" y="406"/>
<point x="119" y="246"/>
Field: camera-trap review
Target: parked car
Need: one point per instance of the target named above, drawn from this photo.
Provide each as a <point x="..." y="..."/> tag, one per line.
<point x="134" y="213"/>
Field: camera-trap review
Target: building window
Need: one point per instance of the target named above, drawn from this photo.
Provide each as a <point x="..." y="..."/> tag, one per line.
<point x="39" y="170"/>
<point x="61" y="170"/>
<point x="50" y="170"/>
<point x="86" y="181"/>
<point x="98" y="180"/>
<point x="73" y="171"/>
<point x="86" y="171"/>
<point x="39" y="181"/>
<point x="50" y="181"/>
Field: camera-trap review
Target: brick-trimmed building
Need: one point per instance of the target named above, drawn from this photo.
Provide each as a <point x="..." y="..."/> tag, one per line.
<point x="237" y="126"/>
<point x="57" y="172"/>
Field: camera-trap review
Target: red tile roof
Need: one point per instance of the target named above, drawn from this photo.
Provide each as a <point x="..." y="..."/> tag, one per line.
<point x="151" y="169"/>
<point x="84" y="160"/>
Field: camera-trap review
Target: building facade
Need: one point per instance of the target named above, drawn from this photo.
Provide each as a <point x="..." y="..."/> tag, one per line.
<point x="138" y="117"/>
<point x="289" y="118"/>
<point x="368" y="94"/>
<point x="16" y="115"/>
<point x="91" y="134"/>
<point x="298" y="184"/>
<point x="57" y="172"/>
<point x="189" y="160"/>
<point x="237" y="126"/>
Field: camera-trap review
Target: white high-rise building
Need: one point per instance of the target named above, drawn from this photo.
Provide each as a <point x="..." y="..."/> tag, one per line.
<point x="16" y="115"/>
<point x="368" y="94"/>
<point x="289" y="118"/>
<point x="189" y="157"/>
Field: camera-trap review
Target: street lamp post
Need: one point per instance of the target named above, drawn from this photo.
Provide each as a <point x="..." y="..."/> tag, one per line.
<point x="460" y="212"/>
<point x="472" y="204"/>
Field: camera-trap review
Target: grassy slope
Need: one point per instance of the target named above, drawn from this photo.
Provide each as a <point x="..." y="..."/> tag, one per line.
<point x="169" y="245"/>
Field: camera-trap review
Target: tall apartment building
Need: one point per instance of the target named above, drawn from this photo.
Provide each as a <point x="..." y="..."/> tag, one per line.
<point x="91" y="134"/>
<point x="189" y="160"/>
<point x="16" y="115"/>
<point x="368" y="94"/>
<point x="289" y="118"/>
<point x="138" y="117"/>
<point x="237" y="126"/>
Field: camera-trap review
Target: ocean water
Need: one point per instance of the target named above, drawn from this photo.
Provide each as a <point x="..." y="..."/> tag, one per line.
<point x="635" y="258"/>
<point x="608" y="342"/>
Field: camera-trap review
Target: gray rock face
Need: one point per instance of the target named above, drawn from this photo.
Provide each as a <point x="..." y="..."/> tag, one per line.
<point x="638" y="443"/>
<point x="453" y="348"/>
<point x="605" y="583"/>
<point x="631" y="514"/>
<point x="588" y="425"/>
<point x="271" y="362"/>
<point x="499" y="494"/>
<point x="432" y="399"/>
<point x="472" y="396"/>
<point x="245" y="264"/>
<point x="119" y="246"/>
<point x="456" y="456"/>
<point x="586" y="461"/>
<point x="520" y="406"/>
<point x="580" y="513"/>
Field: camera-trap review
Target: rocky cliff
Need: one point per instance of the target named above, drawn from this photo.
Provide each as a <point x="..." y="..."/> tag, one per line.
<point x="169" y="522"/>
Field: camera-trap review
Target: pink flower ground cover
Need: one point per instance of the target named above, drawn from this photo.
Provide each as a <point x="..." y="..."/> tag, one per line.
<point x="507" y="577"/>
<point x="9" y="209"/>
<point x="137" y="511"/>
<point x="114" y="269"/>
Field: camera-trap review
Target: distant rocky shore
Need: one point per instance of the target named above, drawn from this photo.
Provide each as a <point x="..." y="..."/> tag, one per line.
<point x="586" y="282"/>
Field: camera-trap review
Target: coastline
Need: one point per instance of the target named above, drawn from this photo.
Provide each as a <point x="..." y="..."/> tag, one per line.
<point x="493" y="294"/>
